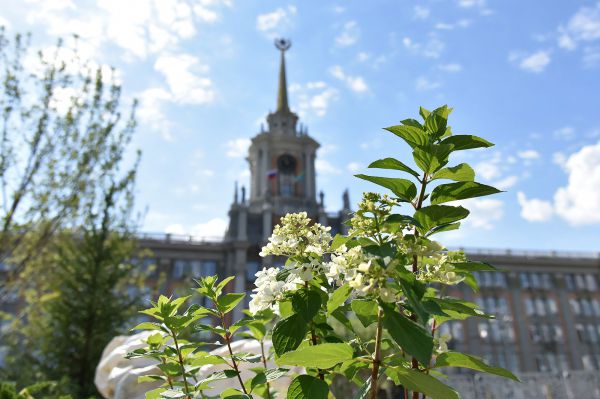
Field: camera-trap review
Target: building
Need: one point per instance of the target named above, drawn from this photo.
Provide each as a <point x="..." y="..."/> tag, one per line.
<point x="547" y="304"/>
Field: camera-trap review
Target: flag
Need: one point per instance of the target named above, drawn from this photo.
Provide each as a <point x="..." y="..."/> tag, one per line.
<point x="271" y="174"/>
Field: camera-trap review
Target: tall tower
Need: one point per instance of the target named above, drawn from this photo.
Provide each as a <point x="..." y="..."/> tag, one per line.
<point x="282" y="158"/>
<point x="282" y="180"/>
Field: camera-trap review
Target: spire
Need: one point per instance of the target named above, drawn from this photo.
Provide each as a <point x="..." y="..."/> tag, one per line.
<point x="282" y="99"/>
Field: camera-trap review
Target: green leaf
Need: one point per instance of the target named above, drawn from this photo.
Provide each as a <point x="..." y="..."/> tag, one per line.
<point x="474" y="267"/>
<point x="461" y="190"/>
<point x="466" y="142"/>
<point x="216" y="376"/>
<point x="411" y="337"/>
<point x="414" y="292"/>
<point x="461" y="172"/>
<point x="402" y="188"/>
<point x="322" y="356"/>
<point x="432" y="157"/>
<point x="402" y="219"/>
<point x="457" y="359"/>
<point x="364" y="390"/>
<point x="417" y="381"/>
<point x="365" y="310"/>
<point x="227" y="302"/>
<point x="394" y="164"/>
<point x="338" y="298"/>
<point x="436" y="122"/>
<point x="289" y="333"/>
<point x="444" y="227"/>
<point x="457" y="309"/>
<point x="413" y="136"/>
<point x="307" y="387"/>
<point x="424" y="113"/>
<point x="437" y="215"/>
<point x="155" y="393"/>
<point x="413" y="123"/>
<point x="306" y="303"/>
<point x="338" y="241"/>
<point x="173" y="394"/>
<point x="147" y="326"/>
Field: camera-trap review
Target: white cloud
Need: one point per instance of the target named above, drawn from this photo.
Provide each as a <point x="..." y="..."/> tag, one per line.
<point x="273" y="23"/>
<point x="420" y="12"/>
<point x="579" y="202"/>
<point x="214" y="228"/>
<point x="431" y="48"/>
<point x="237" y="148"/>
<point x="489" y="169"/>
<point x="4" y="22"/>
<point x="529" y="155"/>
<point x="534" y="210"/>
<point x="565" y="133"/>
<point x="583" y="26"/>
<point x="559" y="159"/>
<point x="355" y="83"/>
<point x="461" y="23"/>
<point x="591" y="57"/>
<point x="150" y="112"/>
<point x="363" y="56"/>
<point x="485" y="212"/>
<point x="535" y="62"/>
<point x="424" y="84"/>
<point x="506" y="182"/>
<point x="451" y="67"/>
<point x="182" y="72"/>
<point x="354" y="167"/>
<point x="325" y="167"/>
<point x="314" y="98"/>
<point x="471" y="3"/>
<point x="349" y="34"/>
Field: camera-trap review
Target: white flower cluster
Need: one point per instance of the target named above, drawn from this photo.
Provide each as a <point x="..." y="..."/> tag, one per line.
<point x="268" y="290"/>
<point x="355" y="267"/>
<point x="435" y="264"/>
<point x="297" y="236"/>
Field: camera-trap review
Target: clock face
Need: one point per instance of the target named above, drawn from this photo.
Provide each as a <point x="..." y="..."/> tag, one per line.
<point x="286" y="164"/>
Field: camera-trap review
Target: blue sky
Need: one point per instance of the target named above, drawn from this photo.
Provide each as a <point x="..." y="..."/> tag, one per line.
<point x="523" y="74"/>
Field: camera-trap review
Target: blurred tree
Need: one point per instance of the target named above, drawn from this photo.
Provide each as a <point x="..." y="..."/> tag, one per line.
<point x="66" y="223"/>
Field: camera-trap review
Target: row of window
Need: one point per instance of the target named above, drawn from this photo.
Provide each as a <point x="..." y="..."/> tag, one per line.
<point x="585" y="307"/>
<point x="496" y="331"/>
<point x="547" y="333"/>
<point x="540" y="306"/>
<point x="193" y="268"/>
<point x="591" y="362"/>
<point x="497" y="306"/>
<point x="454" y="329"/>
<point x="588" y="333"/>
<point x="491" y="279"/>
<point x="581" y="282"/>
<point x="551" y="362"/>
<point x="536" y="280"/>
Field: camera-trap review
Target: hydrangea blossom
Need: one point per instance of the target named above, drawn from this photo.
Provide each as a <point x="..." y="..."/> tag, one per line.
<point x="296" y="236"/>
<point x="269" y="290"/>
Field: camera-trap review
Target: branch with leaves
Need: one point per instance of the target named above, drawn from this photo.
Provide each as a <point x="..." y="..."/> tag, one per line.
<point x="366" y="306"/>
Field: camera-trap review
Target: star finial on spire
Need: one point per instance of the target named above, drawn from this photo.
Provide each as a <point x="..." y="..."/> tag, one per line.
<point x="282" y="101"/>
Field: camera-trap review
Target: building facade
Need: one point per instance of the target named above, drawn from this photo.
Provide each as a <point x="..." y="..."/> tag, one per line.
<point x="547" y="304"/>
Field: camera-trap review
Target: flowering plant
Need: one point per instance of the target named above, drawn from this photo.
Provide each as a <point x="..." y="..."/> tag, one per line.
<point x="363" y="306"/>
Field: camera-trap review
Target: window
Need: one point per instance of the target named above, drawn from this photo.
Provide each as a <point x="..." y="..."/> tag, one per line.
<point x="524" y="280"/>
<point x="547" y="281"/>
<point x="558" y="333"/>
<point x="539" y="306"/>
<point x="535" y="280"/>
<point x="592" y="334"/>
<point x="569" y="282"/>
<point x="586" y="307"/>
<point x="179" y="268"/>
<point x="552" y="307"/>
<point x="580" y="332"/>
<point x="529" y="309"/>
<point x="596" y="307"/>
<point x="252" y="267"/>
<point x="500" y="280"/>
<point x="575" y="306"/>
<point x="483" y="330"/>
<point x="588" y="362"/>
<point x="457" y="331"/>
<point x="591" y="282"/>
<point x="196" y="267"/>
<point x="580" y="282"/>
<point x="209" y="268"/>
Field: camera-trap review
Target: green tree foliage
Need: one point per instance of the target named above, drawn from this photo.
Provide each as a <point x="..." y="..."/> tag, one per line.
<point x="66" y="224"/>
<point x="366" y="306"/>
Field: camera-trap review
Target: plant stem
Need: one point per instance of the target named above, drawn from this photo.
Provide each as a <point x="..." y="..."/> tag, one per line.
<point x="264" y="360"/>
<point x="313" y="336"/>
<point x="185" y="384"/>
<point x="234" y="363"/>
<point x="415" y="265"/>
<point x="377" y="355"/>
<point x="168" y="376"/>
